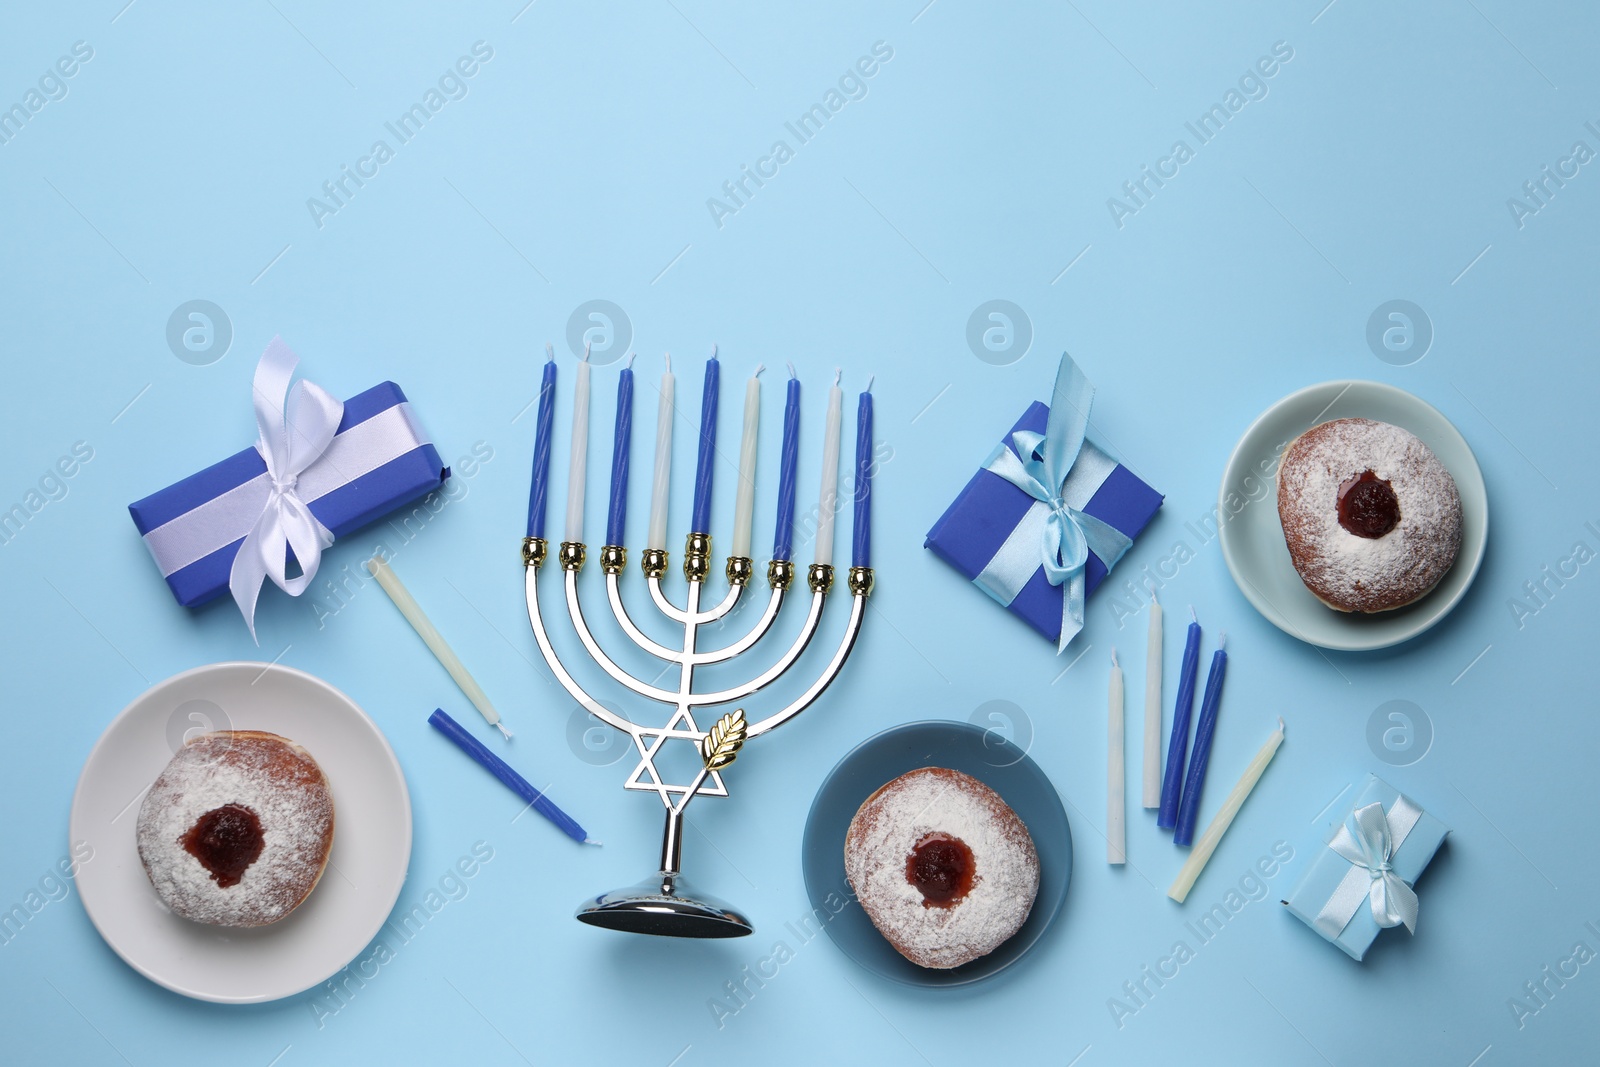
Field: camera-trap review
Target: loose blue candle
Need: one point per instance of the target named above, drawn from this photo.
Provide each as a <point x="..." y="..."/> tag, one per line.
<point x="617" y="514"/>
<point x="861" y="547"/>
<point x="502" y="770"/>
<point x="700" y="521"/>
<point x="541" y="447"/>
<point x="1189" y="805"/>
<point x="783" y="538"/>
<point x="1178" y="743"/>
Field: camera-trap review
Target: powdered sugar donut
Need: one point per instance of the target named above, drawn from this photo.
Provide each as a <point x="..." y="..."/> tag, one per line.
<point x="1371" y="517"/>
<point x="942" y="866"/>
<point x="237" y="829"/>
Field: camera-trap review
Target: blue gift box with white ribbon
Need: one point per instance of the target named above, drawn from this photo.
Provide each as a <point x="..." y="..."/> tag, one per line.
<point x="1360" y="882"/>
<point x="1041" y="524"/>
<point x="321" y="470"/>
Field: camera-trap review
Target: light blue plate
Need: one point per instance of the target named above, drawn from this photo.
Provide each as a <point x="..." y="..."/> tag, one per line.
<point x="1252" y="538"/>
<point x="963" y="747"/>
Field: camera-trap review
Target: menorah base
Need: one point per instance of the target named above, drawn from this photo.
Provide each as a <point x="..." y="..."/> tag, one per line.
<point x="664" y="905"/>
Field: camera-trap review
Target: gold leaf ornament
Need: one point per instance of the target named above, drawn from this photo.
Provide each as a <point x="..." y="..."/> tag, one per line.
<point x="721" y="745"/>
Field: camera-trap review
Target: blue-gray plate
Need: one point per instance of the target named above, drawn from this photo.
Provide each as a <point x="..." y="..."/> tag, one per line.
<point x="963" y="747"/>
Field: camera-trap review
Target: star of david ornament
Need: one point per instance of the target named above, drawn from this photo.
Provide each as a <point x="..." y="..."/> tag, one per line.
<point x="646" y="776"/>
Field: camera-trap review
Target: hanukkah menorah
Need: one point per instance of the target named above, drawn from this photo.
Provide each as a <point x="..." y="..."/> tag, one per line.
<point x="665" y="903"/>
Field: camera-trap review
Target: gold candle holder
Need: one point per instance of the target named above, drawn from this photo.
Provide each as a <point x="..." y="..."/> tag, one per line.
<point x="740" y="569"/>
<point x="613" y="558"/>
<point x="780" y="573"/>
<point x="820" y="577"/>
<point x="533" y="551"/>
<point x="859" y="581"/>
<point x="571" y="555"/>
<point x="653" y="561"/>
<point x="697" y="557"/>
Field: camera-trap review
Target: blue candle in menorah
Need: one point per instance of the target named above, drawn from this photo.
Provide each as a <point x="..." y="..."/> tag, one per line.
<point x="664" y="903"/>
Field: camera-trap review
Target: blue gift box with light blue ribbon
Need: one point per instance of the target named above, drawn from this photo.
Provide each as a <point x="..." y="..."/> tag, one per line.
<point x="998" y="534"/>
<point x="1360" y="880"/>
<point x="378" y="459"/>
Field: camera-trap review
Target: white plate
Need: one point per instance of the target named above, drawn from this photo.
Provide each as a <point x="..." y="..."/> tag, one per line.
<point x="1252" y="540"/>
<point x="371" y="843"/>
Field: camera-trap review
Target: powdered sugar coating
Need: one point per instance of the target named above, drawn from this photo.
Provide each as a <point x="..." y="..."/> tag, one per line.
<point x="1006" y="867"/>
<point x="273" y="777"/>
<point x="1363" y="574"/>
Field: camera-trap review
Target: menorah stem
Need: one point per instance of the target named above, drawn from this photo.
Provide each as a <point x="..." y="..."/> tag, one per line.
<point x="672" y="843"/>
<point x="672" y="834"/>
<point x="672" y="837"/>
<point x="690" y="626"/>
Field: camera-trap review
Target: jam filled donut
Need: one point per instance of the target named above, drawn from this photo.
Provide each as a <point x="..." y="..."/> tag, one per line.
<point x="1371" y="517"/>
<point x="943" y="868"/>
<point x="237" y="830"/>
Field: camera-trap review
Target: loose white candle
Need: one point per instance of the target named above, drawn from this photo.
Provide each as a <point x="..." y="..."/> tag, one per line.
<point x="1116" y="803"/>
<point x="1207" y="844"/>
<point x="829" y="502"/>
<point x="1152" y="708"/>
<point x="657" y="538"/>
<point x="580" y="451"/>
<point x="744" y="502"/>
<point x="390" y="582"/>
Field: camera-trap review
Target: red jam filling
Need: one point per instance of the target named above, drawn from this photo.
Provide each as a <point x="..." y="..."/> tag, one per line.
<point x="1367" y="506"/>
<point x="226" y="841"/>
<point x="940" y="866"/>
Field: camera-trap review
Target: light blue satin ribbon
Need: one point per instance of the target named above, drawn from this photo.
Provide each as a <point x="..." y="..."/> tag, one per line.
<point x="1369" y="839"/>
<point x="1054" y="533"/>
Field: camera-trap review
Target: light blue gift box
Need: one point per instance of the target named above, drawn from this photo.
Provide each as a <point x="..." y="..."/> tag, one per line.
<point x="1313" y="900"/>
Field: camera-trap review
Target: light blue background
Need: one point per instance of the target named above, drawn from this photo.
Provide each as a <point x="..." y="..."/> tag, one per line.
<point x="977" y="166"/>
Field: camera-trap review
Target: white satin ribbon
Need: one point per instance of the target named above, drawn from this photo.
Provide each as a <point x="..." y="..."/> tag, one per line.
<point x="1369" y="839"/>
<point x="296" y="427"/>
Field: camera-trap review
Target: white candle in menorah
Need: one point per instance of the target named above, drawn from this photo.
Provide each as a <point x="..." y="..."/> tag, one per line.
<point x="665" y="903"/>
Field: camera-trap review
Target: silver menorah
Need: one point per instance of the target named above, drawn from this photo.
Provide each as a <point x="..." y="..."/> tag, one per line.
<point x="664" y="903"/>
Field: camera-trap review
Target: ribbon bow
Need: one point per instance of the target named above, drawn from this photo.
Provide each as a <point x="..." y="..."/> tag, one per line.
<point x="296" y="426"/>
<point x="1039" y="468"/>
<point x="1369" y="839"/>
